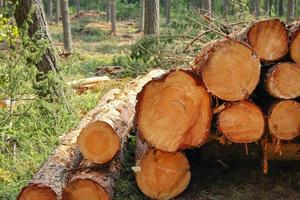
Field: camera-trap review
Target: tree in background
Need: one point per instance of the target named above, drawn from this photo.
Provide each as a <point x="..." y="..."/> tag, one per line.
<point x="256" y="8"/>
<point x="225" y="7"/>
<point x="113" y="16"/>
<point x="1" y="3"/>
<point x="151" y="17"/>
<point x="207" y="6"/>
<point x="280" y="8"/>
<point x="49" y="9"/>
<point x="290" y="11"/>
<point x="142" y="15"/>
<point x="167" y="10"/>
<point x="57" y="12"/>
<point x="78" y="8"/>
<point x="66" y="25"/>
<point x="108" y="9"/>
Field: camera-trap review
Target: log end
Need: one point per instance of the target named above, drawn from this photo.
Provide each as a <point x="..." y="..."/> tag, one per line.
<point x="163" y="175"/>
<point x="295" y="47"/>
<point x="37" y="192"/>
<point x="230" y="70"/>
<point x="98" y="142"/>
<point x="174" y="112"/>
<point x="242" y="122"/>
<point x="269" y="38"/>
<point x="284" y="81"/>
<point x="284" y="120"/>
<point x="80" y="189"/>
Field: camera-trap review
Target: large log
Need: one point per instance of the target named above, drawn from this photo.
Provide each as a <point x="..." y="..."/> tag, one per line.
<point x="284" y="120"/>
<point x="269" y="39"/>
<point x="174" y="112"/>
<point x="104" y="140"/>
<point x="48" y="181"/>
<point x="294" y="39"/>
<point x="161" y="175"/>
<point x="283" y="81"/>
<point x="242" y="122"/>
<point x="230" y="69"/>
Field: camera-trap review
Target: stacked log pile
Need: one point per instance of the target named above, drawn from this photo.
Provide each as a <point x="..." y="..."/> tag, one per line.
<point x="248" y="84"/>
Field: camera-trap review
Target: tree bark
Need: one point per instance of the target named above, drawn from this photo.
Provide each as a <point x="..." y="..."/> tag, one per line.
<point x="290" y="11"/>
<point x="168" y="10"/>
<point x="37" y="31"/>
<point x="207" y="6"/>
<point x="108" y="10"/>
<point x="78" y="8"/>
<point x="225" y="7"/>
<point x="257" y="8"/>
<point x="66" y="25"/>
<point x="151" y="17"/>
<point x="280" y="8"/>
<point x="251" y="6"/>
<point x="142" y="15"/>
<point x="113" y="17"/>
<point x="57" y="13"/>
<point x="47" y="183"/>
<point x="1" y="4"/>
<point x="167" y="98"/>
<point x="294" y="40"/>
<point x="49" y="9"/>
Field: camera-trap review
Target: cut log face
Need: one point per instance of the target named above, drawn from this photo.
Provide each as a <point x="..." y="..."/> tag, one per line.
<point x="295" y="47"/>
<point x="242" y="122"/>
<point x="284" y="81"/>
<point x="174" y="112"/>
<point x="269" y="39"/>
<point x="284" y="120"/>
<point x="85" y="189"/>
<point x="230" y="69"/>
<point x="98" y="142"/>
<point x="37" y="193"/>
<point x="163" y="175"/>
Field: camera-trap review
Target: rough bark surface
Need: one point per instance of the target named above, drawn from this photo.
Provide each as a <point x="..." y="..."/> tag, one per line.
<point x="37" y="30"/>
<point x="151" y="17"/>
<point x="113" y="17"/>
<point x="142" y="16"/>
<point x="57" y="13"/>
<point x="294" y="40"/>
<point x="50" y="8"/>
<point x="168" y="11"/>
<point x="290" y="13"/>
<point x="66" y="25"/>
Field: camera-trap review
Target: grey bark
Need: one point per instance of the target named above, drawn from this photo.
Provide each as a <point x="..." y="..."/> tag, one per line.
<point x="168" y="11"/>
<point x="113" y="17"/>
<point x="78" y="8"/>
<point x="142" y="15"/>
<point x="108" y="9"/>
<point x="280" y="8"/>
<point x="207" y="6"/>
<point x="290" y="11"/>
<point x="57" y="13"/>
<point x="1" y="3"/>
<point x="37" y="30"/>
<point x="151" y="17"/>
<point x="49" y="9"/>
<point x="225" y="7"/>
<point x="66" y="25"/>
<point x="257" y="8"/>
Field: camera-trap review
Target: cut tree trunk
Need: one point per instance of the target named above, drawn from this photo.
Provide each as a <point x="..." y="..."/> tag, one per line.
<point x="174" y="112"/>
<point x="294" y="37"/>
<point x="284" y="120"/>
<point x="242" y="122"/>
<point x="283" y="81"/>
<point x="269" y="39"/>
<point x="230" y="69"/>
<point x="161" y="175"/>
<point x="48" y="181"/>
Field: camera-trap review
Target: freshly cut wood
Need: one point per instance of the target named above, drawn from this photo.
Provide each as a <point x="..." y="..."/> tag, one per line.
<point x="230" y="69"/>
<point x="283" y="81"/>
<point x="242" y="122"/>
<point x="294" y="36"/>
<point x="269" y="39"/>
<point x="284" y="120"/>
<point x="161" y="175"/>
<point x="174" y="112"/>
<point x="48" y="181"/>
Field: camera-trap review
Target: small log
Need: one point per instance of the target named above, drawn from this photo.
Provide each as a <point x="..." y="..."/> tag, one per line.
<point x="48" y="181"/>
<point x="174" y="112"/>
<point x="242" y="122"/>
<point x="161" y="175"/>
<point x="294" y="39"/>
<point x="284" y="120"/>
<point x="269" y="39"/>
<point x="230" y="69"/>
<point x="104" y="140"/>
<point x="283" y="81"/>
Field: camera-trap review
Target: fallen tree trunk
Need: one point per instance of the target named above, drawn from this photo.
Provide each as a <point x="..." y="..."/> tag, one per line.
<point x="284" y="120"/>
<point x="283" y="81"/>
<point x="174" y="112"/>
<point x="229" y="69"/>
<point x="294" y="39"/>
<point x="269" y="39"/>
<point x="48" y="181"/>
<point x="160" y="175"/>
<point x="242" y="122"/>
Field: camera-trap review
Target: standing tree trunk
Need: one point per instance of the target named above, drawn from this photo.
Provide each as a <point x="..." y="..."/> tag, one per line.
<point x="113" y="17"/>
<point x="207" y="6"/>
<point x="1" y="3"/>
<point x="66" y="25"/>
<point x="108" y="10"/>
<point x="290" y="11"/>
<point x="168" y="10"/>
<point x="57" y="13"/>
<point x="280" y="8"/>
<point x="270" y="8"/>
<point x="256" y="8"/>
<point x="142" y="15"/>
<point x="151" y="17"/>
<point x="49" y="9"/>
<point x="251" y="6"/>
<point x="225" y="7"/>
<point x="78" y="8"/>
<point x="32" y="13"/>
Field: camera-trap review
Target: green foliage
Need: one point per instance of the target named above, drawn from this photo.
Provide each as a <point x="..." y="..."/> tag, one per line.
<point x="8" y="30"/>
<point x="126" y="10"/>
